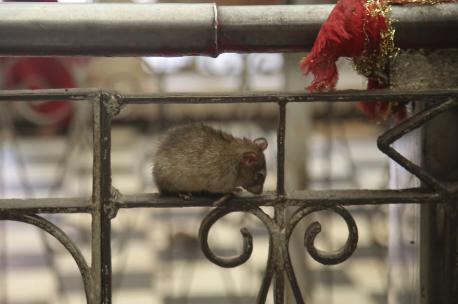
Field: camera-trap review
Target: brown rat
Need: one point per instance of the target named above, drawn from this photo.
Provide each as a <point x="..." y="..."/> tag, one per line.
<point x="197" y="158"/>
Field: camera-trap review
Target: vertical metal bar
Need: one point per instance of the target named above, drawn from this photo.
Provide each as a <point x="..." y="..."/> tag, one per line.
<point x="280" y="216"/>
<point x="279" y="240"/>
<point x="101" y="225"/>
<point x="281" y="149"/>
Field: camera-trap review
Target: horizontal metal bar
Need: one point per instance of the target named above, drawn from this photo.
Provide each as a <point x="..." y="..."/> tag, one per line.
<point x="426" y="26"/>
<point x="49" y="94"/>
<point x="109" y="29"/>
<point x="364" y="197"/>
<point x="334" y="96"/>
<point x="46" y="205"/>
<point x="300" y="198"/>
<point x="154" y="200"/>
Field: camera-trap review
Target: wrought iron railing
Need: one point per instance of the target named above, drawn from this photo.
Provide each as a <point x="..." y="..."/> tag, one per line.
<point x="104" y="203"/>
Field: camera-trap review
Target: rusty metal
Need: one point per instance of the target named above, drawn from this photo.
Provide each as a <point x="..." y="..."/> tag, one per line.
<point x="105" y="202"/>
<point x="121" y="29"/>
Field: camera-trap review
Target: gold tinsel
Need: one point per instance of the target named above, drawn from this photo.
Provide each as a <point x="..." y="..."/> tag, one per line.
<point x="373" y="63"/>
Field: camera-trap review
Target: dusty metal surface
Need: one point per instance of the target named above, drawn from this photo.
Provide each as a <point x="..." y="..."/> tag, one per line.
<point x="104" y="203"/>
<point x="114" y="29"/>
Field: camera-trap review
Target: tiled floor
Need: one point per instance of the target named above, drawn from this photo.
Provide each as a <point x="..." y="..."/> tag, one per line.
<point x="156" y="258"/>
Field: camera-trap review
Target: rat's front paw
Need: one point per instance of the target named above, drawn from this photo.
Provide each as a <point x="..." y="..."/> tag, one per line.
<point x="237" y="191"/>
<point x="185" y="196"/>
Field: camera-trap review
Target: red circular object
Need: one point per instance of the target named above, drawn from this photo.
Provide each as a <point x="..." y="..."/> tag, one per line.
<point x="41" y="73"/>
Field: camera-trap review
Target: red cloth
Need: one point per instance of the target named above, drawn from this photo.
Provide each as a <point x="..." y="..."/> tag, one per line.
<point x="351" y="30"/>
<point x="382" y="109"/>
<point x="340" y="35"/>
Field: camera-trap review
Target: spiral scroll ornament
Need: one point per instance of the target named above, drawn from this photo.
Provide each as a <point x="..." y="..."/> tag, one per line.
<point x="278" y="260"/>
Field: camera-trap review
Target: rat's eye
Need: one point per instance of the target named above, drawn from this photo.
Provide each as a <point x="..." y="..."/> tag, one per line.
<point x="260" y="176"/>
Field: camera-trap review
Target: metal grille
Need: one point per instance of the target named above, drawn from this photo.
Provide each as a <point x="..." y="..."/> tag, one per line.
<point x="104" y="203"/>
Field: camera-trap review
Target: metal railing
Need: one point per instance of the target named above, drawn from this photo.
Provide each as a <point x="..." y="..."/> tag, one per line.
<point x="104" y="203"/>
<point x="48" y="29"/>
<point x="95" y="30"/>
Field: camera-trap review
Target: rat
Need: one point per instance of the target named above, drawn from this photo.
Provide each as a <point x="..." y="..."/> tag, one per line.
<point x="197" y="158"/>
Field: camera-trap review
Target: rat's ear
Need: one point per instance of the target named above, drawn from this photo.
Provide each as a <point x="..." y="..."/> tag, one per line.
<point x="249" y="158"/>
<point x="261" y="142"/>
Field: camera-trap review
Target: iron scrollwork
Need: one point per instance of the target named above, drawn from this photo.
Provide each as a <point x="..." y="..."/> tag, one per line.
<point x="278" y="260"/>
<point x="97" y="279"/>
<point x="59" y="235"/>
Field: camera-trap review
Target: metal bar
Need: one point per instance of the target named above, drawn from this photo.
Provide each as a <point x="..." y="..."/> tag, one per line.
<point x="281" y="149"/>
<point x="385" y="140"/>
<point x="101" y="195"/>
<point x="297" y="198"/>
<point x="49" y="29"/>
<point x="278" y="236"/>
<point x="418" y="26"/>
<point x="47" y="205"/>
<point x="228" y="262"/>
<point x="48" y="94"/>
<point x="278" y="255"/>
<point x="335" y="96"/>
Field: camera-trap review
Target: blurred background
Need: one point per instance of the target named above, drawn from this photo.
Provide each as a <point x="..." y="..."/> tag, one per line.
<point x="46" y="151"/>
